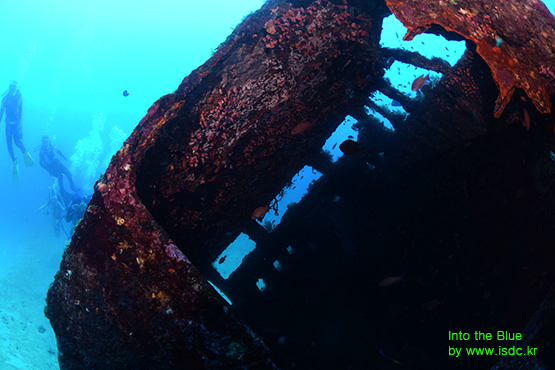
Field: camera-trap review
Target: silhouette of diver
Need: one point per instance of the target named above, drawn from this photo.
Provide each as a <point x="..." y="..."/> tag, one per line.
<point x="55" y="207"/>
<point x="76" y="209"/>
<point x="50" y="162"/>
<point x="12" y="105"/>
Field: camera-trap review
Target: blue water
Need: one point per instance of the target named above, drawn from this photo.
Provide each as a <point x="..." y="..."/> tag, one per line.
<point x="72" y="61"/>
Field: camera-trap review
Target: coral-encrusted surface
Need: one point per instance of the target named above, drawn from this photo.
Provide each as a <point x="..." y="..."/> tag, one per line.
<point x="230" y="147"/>
<point x="201" y="160"/>
<point x="234" y="133"/>
<point x="515" y="38"/>
<point x="126" y="297"/>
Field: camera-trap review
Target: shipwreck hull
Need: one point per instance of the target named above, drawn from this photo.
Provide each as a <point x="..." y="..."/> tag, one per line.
<point x="200" y="151"/>
<point x="132" y="289"/>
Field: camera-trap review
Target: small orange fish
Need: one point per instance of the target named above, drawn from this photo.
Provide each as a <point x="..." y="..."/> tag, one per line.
<point x="526" y="122"/>
<point x="393" y="280"/>
<point x="350" y="147"/>
<point x="259" y="212"/>
<point x="419" y="82"/>
<point x="302" y="127"/>
<point x="431" y="305"/>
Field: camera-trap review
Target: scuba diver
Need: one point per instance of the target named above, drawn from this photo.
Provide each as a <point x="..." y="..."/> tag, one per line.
<point x="54" y="206"/>
<point x="50" y="162"/>
<point x="76" y="209"/>
<point x="12" y="105"/>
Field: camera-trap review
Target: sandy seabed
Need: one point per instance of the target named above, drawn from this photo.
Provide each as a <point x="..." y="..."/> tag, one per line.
<point x="27" y="341"/>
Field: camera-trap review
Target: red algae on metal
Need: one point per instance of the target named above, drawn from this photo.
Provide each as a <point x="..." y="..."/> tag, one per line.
<point x="515" y="38"/>
<point x="173" y="252"/>
<point x="125" y="295"/>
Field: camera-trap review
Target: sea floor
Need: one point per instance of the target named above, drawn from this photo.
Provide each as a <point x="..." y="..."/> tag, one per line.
<point x="27" y="341"/>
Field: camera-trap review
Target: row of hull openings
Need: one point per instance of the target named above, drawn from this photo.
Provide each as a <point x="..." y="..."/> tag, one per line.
<point x="233" y="257"/>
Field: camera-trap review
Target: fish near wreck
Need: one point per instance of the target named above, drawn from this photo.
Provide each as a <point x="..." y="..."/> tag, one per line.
<point x="419" y="82"/>
<point x="302" y="127"/>
<point x="526" y="121"/>
<point x="259" y="213"/>
<point x="351" y="147"/>
<point x="393" y="280"/>
<point x="431" y="305"/>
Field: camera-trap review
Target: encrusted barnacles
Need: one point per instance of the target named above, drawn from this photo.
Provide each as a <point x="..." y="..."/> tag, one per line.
<point x="269" y="26"/>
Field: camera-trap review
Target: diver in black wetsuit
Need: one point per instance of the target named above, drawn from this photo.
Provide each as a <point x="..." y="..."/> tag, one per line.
<point x="12" y="105"/>
<point x="54" y="166"/>
<point x="76" y="209"/>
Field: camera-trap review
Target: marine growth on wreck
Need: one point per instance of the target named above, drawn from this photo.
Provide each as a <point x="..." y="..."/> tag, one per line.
<point x="440" y="223"/>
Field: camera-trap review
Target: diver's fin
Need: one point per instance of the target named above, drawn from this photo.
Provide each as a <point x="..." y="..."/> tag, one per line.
<point x="28" y="159"/>
<point x="15" y="173"/>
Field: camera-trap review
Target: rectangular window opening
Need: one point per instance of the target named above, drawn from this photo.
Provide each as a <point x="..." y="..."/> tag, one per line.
<point x="426" y="44"/>
<point x="345" y="131"/>
<point x="232" y="257"/>
<point x="261" y="285"/>
<point x="220" y="292"/>
<point x="289" y="196"/>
